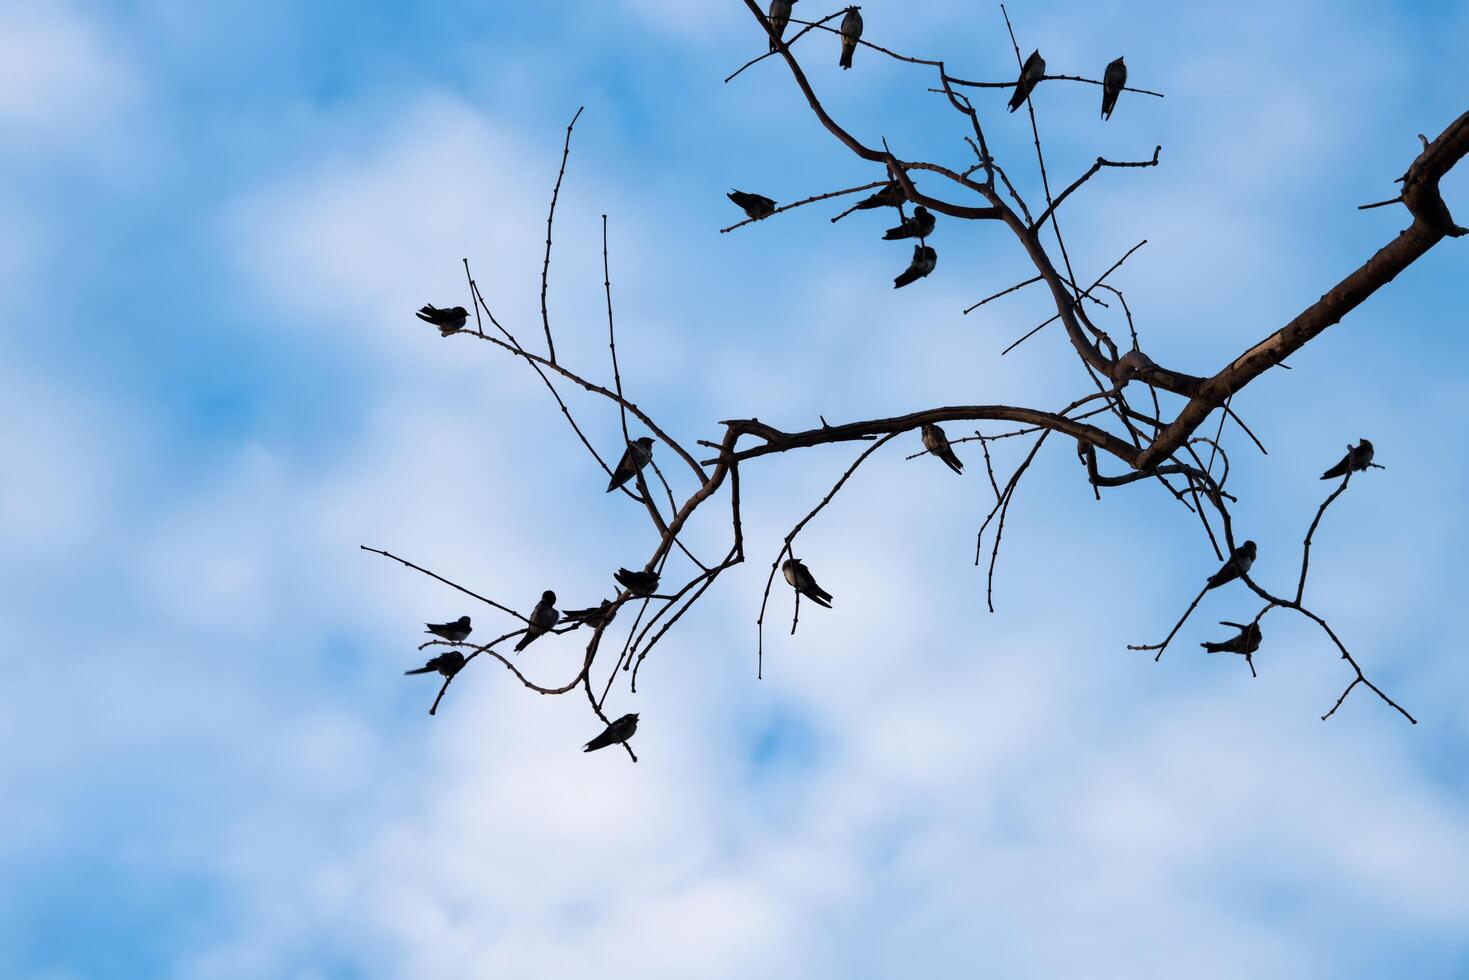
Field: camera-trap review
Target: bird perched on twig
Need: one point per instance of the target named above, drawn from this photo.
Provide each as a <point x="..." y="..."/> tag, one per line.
<point x="614" y="734"/>
<point x="1247" y="642"/>
<point x="447" y="663"/>
<point x="924" y="259"/>
<point x="594" y="616"/>
<point x="801" y="579"/>
<point x="754" y="205"/>
<point x="780" y="16"/>
<point x="1238" y="564"/>
<point x="937" y="442"/>
<point x="1030" y="76"/>
<point x="448" y="321"/>
<point x="454" y="632"/>
<point x="1358" y="458"/>
<point x="634" y="458"/>
<point x="1113" y="79"/>
<point x="542" y="618"/>
<point x="641" y="584"/>
<point x="889" y="195"/>
<point x="918" y="226"/>
<point x="851" y="32"/>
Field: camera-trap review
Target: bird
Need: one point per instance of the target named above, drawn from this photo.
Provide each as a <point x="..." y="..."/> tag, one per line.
<point x="634" y="458"/>
<point x="593" y="616"/>
<point x="542" y="618"/>
<point x="890" y="195"/>
<point x="1238" y="564"/>
<point x="754" y="205"/>
<point x="1246" y="642"/>
<point x="851" y="31"/>
<point x="918" y="226"/>
<point x="936" y="442"/>
<point x="780" y="16"/>
<point x="1030" y="77"/>
<point x="614" y="734"/>
<point x="448" y="321"/>
<point x="801" y="579"/>
<point x="924" y="259"/>
<point x="1112" y="81"/>
<point x="447" y="663"/>
<point x="638" y="583"/>
<point x="454" y="632"/>
<point x="1357" y="458"/>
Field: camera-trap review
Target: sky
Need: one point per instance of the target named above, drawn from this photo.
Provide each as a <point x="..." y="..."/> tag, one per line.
<point x="218" y="221"/>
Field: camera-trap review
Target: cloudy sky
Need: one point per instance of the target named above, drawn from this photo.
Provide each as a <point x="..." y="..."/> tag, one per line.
<point x="218" y="220"/>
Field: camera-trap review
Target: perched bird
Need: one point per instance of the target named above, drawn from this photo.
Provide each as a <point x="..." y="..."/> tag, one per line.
<point x="634" y="458"/>
<point x="918" y="226"/>
<point x="1238" y="564"/>
<point x="754" y="206"/>
<point x="1112" y="81"/>
<point x="801" y="579"/>
<point x="448" y="321"/>
<point x="924" y="259"/>
<point x="614" y="734"/>
<point x="447" y="663"/>
<point x="638" y="583"/>
<point x="1247" y="642"/>
<point x="1357" y="458"/>
<point x="594" y="616"/>
<point x="890" y="195"/>
<point x="542" y="618"/>
<point x="936" y="442"/>
<point x="780" y="16"/>
<point x="851" y="31"/>
<point x="1030" y="77"/>
<point x="454" y="632"/>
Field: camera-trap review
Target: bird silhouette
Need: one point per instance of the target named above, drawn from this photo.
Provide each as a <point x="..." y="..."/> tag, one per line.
<point x="1113" y="79"/>
<point x="1358" y="458"/>
<point x="918" y="226"/>
<point x="638" y="583"/>
<point x="448" y="321"/>
<point x="454" y="632"/>
<point x="634" y="458"/>
<point x="801" y="579"/>
<point x="924" y="259"/>
<point x="542" y="618"/>
<point x="1237" y="564"/>
<point x="936" y="442"/>
<point x="1246" y="642"/>
<point x="594" y="616"/>
<point x="1030" y="76"/>
<point x="614" y="734"/>
<point x="754" y="205"/>
<point x="851" y="32"/>
<point x="447" y="663"/>
<point x="780" y="16"/>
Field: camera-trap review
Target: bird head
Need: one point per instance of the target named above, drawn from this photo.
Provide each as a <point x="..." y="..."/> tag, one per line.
<point x="548" y="597"/>
<point x="645" y="442"/>
<point x="1364" y="444"/>
<point x="462" y="622"/>
<point x="459" y="311"/>
<point x="1248" y="548"/>
<point x="920" y="210"/>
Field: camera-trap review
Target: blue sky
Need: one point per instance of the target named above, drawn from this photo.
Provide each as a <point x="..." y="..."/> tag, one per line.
<point x="212" y="390"/>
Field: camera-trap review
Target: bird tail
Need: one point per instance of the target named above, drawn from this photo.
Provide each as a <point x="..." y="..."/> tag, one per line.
<point x="525" y="641"/>
<point x="954" y="464"/>
<point x="894" y="234"/>
<point x="846" y="60"/>
<point x="905" y="279"/>
<point x="1214" y="647"/>
<point x="421" y="670"/>
<point x="426" y="314"/>
<point x="1334" y="472"/>
<point x="820" y="596"/>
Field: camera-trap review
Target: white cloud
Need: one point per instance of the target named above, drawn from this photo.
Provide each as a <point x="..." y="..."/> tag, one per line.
<point x="59" y="74"/>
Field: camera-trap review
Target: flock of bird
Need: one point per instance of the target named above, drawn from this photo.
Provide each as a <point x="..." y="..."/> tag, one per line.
<point x="920" y="225"/>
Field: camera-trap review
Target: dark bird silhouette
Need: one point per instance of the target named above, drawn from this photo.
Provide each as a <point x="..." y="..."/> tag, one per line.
<point x="924" y="259"/>
<point x="1358" y="458"/>
<point x="638" y="583"/>
<point x="594" y="616"/>
<point x="754" y="205"/>
<point x="1238" y="564"/>
<point x="918" y="226"/>
<point x="542" y="618"/>
<point x="448" y="321"/>
<point x="1246" y="642"/>
<point x="780" y="16"/>
<point x="937" y="442"/>
<point x="634" y="458"/>
<point x="454" y="632"/>
<point x="851" y="31"/>
<point x="1112" y="81"/>
<point x="889" y="195"/>
<point x="447" y="663"/>
<point x="614" y="734"/>
<point x="1030" y="77"/>
<point x="801" y="579"/>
